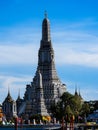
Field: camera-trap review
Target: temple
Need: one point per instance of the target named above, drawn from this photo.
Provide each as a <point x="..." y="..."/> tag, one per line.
<point x="46" y="87"/>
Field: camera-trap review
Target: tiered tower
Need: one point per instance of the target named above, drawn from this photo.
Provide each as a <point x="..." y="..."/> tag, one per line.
<point x="50" y="87"/>
<point x="40" y="104"/>
<point x="9" y="107"/>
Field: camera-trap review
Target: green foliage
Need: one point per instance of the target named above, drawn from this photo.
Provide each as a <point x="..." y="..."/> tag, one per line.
<point x="56" y="110"/>
<point x="85" y="110"/>
<point x="69" y="105"/>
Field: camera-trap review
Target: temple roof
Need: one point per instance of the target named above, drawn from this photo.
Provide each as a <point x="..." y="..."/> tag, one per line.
<point x="9" y="98"/>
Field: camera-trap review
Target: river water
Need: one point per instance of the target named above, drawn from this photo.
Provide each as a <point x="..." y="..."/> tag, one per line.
<point x="20" y="129"/>
<point x="32" y="127"/>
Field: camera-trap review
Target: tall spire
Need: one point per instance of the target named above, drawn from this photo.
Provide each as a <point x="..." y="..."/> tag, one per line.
<point x="40" y="106"/>
<point x="9" y="98"/>
<point x="18" y="94"/>
<point x="76" y="90"/>
<point x="46" y="61"/>
<point x="8" y="91"/>
<point x="46" y="29"/>
<point x="79" y="92"/>
<point x="46" y="86"/>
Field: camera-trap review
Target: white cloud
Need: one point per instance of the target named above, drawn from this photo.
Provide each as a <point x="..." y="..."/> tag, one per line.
<point x="79" y="47"/>
<point x="82" y="52"/>
<point x="14" y="83"/>
<point x="76" y="47"/>
<point x="78" y="56"/>
<point x="18" y="54"/>
<point x="89" y="94"/>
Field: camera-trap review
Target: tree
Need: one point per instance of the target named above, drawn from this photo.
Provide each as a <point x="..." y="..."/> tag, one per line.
<point x="63" y="107"/>
<point x="56" y="110"/>
<point x="85" y="110"/>
<point x="67" y="106"/>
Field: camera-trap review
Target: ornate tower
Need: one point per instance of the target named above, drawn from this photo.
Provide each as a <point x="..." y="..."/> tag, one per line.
<point x="9" y="107"/>
<point x="51" y="86"/>
<point x="39" y="107"/>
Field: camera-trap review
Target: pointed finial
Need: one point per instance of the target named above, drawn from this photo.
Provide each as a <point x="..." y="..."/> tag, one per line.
<point x="19" y="93"/>
<point x="45" y="14"/>
<point x="76" y="89"/>
<point x="79" y="92"/>
<point x="8" y="90"/>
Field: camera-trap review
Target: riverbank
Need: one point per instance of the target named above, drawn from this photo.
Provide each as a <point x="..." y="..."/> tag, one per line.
<point x="32" y="127"/>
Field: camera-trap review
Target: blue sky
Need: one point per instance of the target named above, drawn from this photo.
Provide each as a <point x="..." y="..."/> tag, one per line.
<point x="74" y="34"/>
